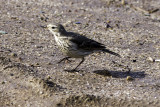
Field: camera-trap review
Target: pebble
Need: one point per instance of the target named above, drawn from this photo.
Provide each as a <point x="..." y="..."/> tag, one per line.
<point x="129" y="78"/>
<point x="157" y="60"/>
<point x="151" y="59"/>
<point x="3" y="32"/>
<point x="78" y="22"/>
<point x="14" y="55"/>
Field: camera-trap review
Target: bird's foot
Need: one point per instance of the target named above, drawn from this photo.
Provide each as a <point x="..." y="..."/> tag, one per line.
<point x="65" y="59"/>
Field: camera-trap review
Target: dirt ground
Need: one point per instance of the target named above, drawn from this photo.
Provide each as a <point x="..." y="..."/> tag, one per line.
<point x="31" y="77"/>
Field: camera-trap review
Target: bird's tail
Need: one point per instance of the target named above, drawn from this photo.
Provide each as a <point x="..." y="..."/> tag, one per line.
<point x="110" y="52"/>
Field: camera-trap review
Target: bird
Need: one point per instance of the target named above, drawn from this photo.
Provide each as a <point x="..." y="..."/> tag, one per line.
<point x="74" y="45"/>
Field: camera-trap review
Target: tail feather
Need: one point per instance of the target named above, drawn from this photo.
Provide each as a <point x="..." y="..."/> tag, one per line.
<point x="110" y="52"/>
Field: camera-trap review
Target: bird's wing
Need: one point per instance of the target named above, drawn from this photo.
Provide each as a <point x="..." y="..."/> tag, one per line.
<point x="86" y="43"/>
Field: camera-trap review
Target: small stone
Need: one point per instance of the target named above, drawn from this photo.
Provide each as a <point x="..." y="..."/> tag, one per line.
<point x="20" y="59"/>
<point x="42" y="12"/>
<point x="49" y="63"/>
<point x="151" y="59"/>
<point x="59" y="105"/>
<point x="13" y="54"/>
<point x="78" y="22"/>
<point x="129" y="78"/>
<point x="134" y="60"/>
<point x="123" y="2"/>
<point x="42" y="18"/>
<point x="3" y="32"/>
<point x="3" y="82"/>
<point x="15" y="18"/>
<point x="157" y="60"/>
<point x="11" y="74"/>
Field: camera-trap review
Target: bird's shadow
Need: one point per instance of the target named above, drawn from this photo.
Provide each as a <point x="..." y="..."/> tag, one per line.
<point x="121" y="74"/>
<point x="115" y="74"/>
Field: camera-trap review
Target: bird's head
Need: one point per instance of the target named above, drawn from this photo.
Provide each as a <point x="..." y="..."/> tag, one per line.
<point x="56" y="28"/>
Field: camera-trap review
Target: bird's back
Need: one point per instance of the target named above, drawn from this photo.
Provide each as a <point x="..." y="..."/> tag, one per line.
<point x="84" y="42"/>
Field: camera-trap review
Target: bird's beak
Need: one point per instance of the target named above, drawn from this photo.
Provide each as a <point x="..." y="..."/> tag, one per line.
<point x="44" y="26"/>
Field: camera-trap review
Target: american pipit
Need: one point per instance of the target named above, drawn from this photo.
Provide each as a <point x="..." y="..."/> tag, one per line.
<point x="74" y="45"/>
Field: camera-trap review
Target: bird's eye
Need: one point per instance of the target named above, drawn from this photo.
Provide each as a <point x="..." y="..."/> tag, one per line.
<point x="53" y="27"/>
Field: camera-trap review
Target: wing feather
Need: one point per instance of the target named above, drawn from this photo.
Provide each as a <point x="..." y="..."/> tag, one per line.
<point x="85" y="43"/>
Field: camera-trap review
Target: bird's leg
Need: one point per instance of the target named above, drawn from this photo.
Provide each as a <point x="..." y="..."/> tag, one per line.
<point x="79" y="64"/>
<point x="66" y="58"/>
